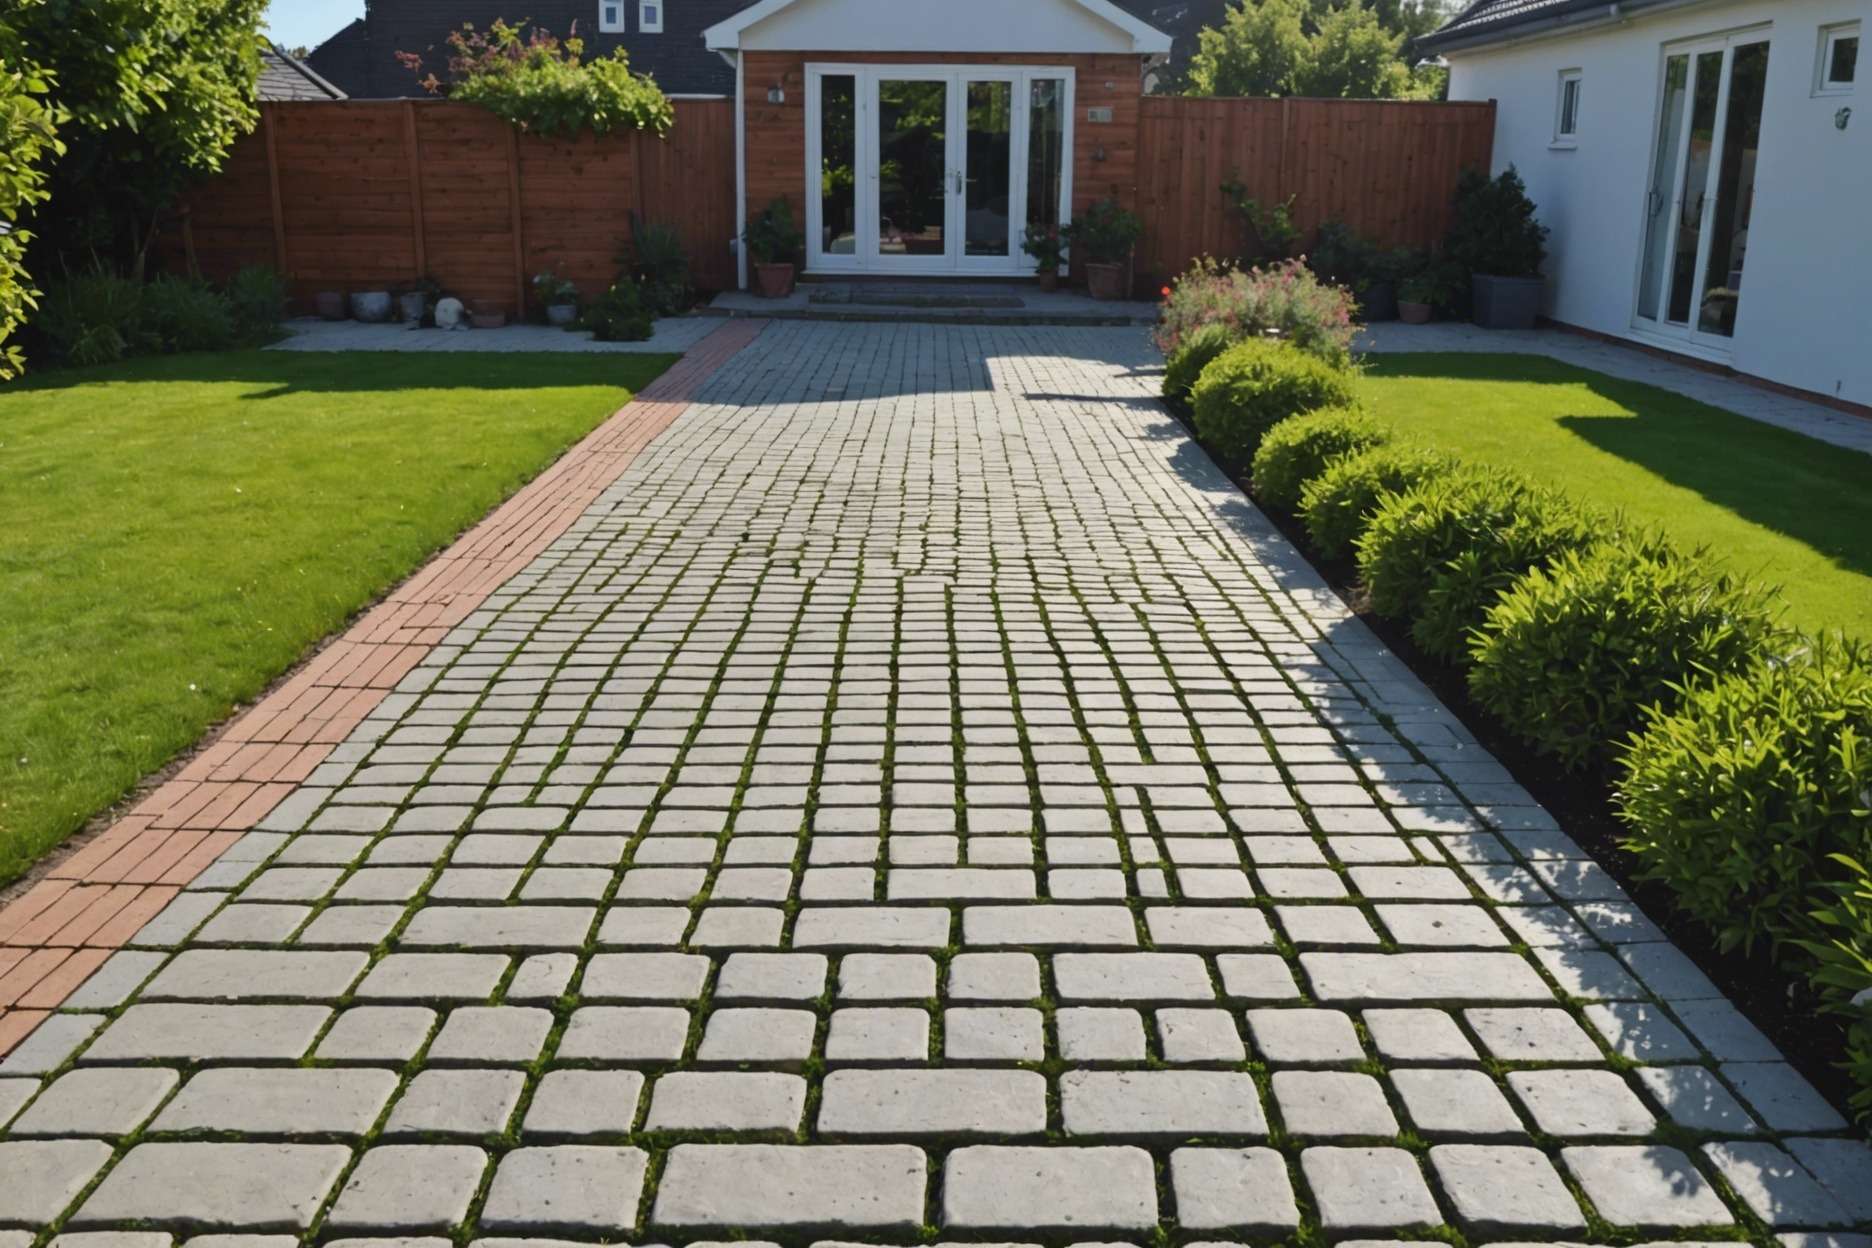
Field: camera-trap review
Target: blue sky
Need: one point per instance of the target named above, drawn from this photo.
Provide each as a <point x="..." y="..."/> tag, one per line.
<point x="291" y="23"/>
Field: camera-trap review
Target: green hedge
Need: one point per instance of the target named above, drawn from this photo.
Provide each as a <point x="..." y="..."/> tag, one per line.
<point x="1297" y="450"/>
<point x="1185" y="364"/>
<point x="1338" y="502"/>
<point x="1571" y="655"/>
<point x="1440" y="553"/>
<point x="1256" y="384"/>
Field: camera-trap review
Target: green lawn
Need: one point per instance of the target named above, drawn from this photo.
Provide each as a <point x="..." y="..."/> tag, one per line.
<point x="1774" y="505"/>
<point x="176" y="532"/>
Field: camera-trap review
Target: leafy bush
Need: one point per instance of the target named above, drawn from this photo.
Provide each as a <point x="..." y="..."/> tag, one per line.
<point x="1337" y="504"/>
<point x="257" y="299"/>
<point x="1842" y="964"/>
<point x="1284" y="299"/>
<point x="1105" y="234"/>
<point x="93" y="318"/>
<point x="544" y="86"/>
<point x="661" y="267"/>
<point x="773" y="237"/>
<point x="1298" y="450"/>
<point x="1253" y="386"/>
<point x="1493" y="229"/>
<point x="180" y="314"/>
<point x="1737" y="796"/>
<point x="619" y="315"/>
<point x="1187" y="362"/>
<point x="1438" y="553"/>
<point x="1571" y="655"/>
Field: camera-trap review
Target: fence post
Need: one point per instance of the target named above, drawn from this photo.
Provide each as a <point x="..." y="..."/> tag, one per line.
<point x="273" y="190"/>
<point x="413" y="151"/>
<point x="519" y="237"/>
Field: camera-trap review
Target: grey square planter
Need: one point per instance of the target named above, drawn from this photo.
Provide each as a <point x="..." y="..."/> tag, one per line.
<point x="1505" y="302"/>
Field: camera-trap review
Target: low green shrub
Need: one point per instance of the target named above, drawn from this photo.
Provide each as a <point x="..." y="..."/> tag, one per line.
<point x="92" y="318"/>
<point x="1736" y="796"/>
<point x="661" y="266"/>
<point x="621" y="314"/>
<point x="1439" y="553"/>
<point x="181" y="314"/>
<point x="1337" y="504"/>
<point x="1287" y="299"/>
<point x="1572" y="654"/>
<point x="1253" y="386"/>
<point x="257" y="299"/>
<point x="1842" y="966"/>
<point x="1185" y="364"/>
<point x="1298" y="450"/>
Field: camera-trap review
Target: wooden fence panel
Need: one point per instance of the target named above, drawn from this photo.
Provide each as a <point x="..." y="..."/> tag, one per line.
<point x="1387" y="168"/>
<point x="364" y="195"/>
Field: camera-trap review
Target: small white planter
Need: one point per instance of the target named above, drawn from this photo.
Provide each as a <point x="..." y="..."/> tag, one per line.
<point x="562" y="314"/>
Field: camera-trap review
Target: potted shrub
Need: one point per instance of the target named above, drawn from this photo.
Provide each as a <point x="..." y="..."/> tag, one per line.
<point x="1496" y="239"/>
<point x="773" y="240"/>
<point x="1420" y="294"/>
<point x="559" y="296"/>
<point x="1102" y="239"/>
<point x="1049" y="251"/>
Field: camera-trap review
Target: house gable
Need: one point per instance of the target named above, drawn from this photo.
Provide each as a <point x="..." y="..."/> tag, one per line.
<point x="1091" y="27"/>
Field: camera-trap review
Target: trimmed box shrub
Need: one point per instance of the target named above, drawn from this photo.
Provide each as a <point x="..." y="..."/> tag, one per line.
<point x="1253" y="386"/>
<point x="1572" y="655"/>
<point x="1737" y="795"/>
<point x="1337" y="504"/>
<point x="1186" y="363"/>
<point x="1440" y="553"/>
<point x="1843" y="968"/>
<point x="1298" y="450"/>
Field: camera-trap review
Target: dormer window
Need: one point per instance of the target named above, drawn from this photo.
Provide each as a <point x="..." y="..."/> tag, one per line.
<point x="650" y="17"/>
<point x="611" y="16"/>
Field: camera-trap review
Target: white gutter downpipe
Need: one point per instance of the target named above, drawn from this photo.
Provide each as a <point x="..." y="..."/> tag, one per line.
<point x="740" y="170"/>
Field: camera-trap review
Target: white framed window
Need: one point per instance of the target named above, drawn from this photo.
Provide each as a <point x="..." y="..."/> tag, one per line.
<point x="650" y="17"/>
<point x="1566" y="109"/>
<point x="1838" y="66"/>
<point x="611" y="16"/>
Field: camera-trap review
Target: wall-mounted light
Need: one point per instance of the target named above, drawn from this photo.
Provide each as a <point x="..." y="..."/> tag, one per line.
<point x="776" y="94"/>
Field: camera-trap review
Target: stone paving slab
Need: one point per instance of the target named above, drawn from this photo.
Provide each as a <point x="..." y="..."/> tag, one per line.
<point x="917" y="797"/>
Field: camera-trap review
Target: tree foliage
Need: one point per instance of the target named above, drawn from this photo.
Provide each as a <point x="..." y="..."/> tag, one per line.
<point x="28" y="137"/>
<point x="544" y="85"/>
<point x="157" y="91"/>
<point x="1343" y="50"/>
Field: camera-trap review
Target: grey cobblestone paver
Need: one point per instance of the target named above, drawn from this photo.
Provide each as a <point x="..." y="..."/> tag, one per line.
<point x="920" y="796"/>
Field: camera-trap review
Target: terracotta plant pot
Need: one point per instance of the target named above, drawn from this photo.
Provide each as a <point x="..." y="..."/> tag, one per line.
<point x="1413" y="313"/>
<point x="331" y="305"/>
<point x="1105" y="281"/>
<point x="773" y="281"/>
<point x="411" y="305"/>
<point x="1049" y="280"/>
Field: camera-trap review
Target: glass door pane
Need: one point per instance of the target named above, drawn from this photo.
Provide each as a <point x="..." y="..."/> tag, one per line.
<point x="913" y="167"/>
<point x="1735" y="191"/>
<point x="1706" y="91"/>
<point x="838" y="160"/>
<point x="1658" y="202"/>
<point x="988" y="169"/>
<point x="1046" y="153"/>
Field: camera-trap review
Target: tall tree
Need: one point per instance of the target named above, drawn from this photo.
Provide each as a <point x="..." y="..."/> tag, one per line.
<point x="157" y="91"/>
<point x="1337" y="48"/>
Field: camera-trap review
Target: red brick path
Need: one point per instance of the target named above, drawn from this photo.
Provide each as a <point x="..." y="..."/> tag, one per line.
<point x="67" y="924"/>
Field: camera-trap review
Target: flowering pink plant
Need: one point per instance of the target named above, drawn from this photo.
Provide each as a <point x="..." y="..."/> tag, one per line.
<point x="1285" y="298"/>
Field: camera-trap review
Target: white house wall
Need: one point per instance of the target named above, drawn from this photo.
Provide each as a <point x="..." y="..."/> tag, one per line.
<point x="1010" y="26"/>
<point x="1806" y="313"/>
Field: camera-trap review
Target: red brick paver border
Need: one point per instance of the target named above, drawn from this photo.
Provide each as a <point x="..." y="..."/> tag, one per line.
<point x="63" y="928"/>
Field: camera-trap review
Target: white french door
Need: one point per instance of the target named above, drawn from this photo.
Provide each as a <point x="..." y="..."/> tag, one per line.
<point x="934" y="169"/>
<point x="1702" y="189"/>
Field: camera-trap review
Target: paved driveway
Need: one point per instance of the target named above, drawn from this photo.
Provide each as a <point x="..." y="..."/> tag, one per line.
<point x="920" y="796"/>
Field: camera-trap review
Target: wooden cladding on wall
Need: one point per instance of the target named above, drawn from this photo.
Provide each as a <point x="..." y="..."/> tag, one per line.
<point x="1386" y="168"/>
<point x="366" y="194"/>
